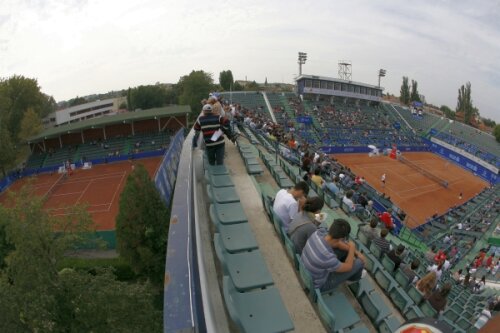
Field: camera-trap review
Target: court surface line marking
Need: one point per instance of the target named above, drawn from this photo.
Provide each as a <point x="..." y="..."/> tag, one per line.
<point x="116" y="191"/>
<point x="84" y="190"/>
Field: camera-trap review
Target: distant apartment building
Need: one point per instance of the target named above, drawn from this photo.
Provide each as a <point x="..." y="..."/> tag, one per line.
<point x="83" y="111"/>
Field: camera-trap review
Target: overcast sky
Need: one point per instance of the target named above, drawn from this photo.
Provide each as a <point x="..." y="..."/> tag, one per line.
<point x="80" y="47"/>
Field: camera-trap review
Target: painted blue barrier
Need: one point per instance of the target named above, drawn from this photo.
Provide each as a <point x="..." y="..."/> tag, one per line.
<point x="358" y="149"/>
<point x="166" y="175"/>
<point x="464" y="162"/>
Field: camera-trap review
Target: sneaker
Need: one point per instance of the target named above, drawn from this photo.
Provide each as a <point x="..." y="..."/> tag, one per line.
<point x="364" y="273"/>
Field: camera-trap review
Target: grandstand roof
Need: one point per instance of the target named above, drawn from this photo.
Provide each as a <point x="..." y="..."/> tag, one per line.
<point x="114" y="119"/>
<point x="333" y="79"/>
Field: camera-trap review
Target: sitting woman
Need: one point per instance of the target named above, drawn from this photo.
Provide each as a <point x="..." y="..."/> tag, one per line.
<point x="305" y="223"/>
<point x="439" y="298"/>
<point x="426" y="284"/>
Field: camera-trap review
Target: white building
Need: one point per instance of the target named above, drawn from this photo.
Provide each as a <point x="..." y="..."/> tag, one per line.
<point x="83" y="111"/>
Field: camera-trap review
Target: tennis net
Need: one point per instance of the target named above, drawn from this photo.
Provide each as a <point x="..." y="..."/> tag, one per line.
<point x="426" y="173"/>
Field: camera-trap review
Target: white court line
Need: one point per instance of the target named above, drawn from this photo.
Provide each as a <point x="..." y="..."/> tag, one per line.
<point x="63" y="194"/>
<point x="90" y="211"/>
<point x="76" y="181"/>
<point x="84" y="190"/>
<point x="116" y="191"/>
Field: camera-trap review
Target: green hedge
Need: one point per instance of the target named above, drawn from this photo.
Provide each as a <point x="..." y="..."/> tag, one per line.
<point x="122" y="270"/>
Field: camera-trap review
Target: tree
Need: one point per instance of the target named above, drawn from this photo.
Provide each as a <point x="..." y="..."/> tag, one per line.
<point x="226" y="80"/>
<point x="238" y="87"/>
<point x="489" y="122"/>
<point x="193" y="88"/>
<point x="404" y="96"/>
<point x="76" y="101"/>
<point x="17" y="95"/>
<point x="7" y="151"/>
<point x="414" y="96"/>
<point x="129" y="99"/>
<point x="449" y="113"/>
<point x="252" y="86"/>
<point x="147" y="97"/>
<point x="36" y="297"/>
<point x="142" y="226"/>
<point x="496" y="132"/>
<point x="465" y="105"/>
<point x="31" y="125"/>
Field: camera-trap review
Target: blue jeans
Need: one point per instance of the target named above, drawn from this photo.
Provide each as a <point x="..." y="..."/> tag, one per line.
<point x="335" y="279"/>
<point x="215" y="154"/>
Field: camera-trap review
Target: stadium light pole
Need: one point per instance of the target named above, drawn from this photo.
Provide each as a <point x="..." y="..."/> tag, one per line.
<point x="302" y="61"/>
<point x="381" y="73"/>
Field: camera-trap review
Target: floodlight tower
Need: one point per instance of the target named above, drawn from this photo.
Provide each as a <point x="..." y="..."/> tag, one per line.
<point x="301" y="61"/>
<point x="345" y="70"/>
<point x="381" y="73"/>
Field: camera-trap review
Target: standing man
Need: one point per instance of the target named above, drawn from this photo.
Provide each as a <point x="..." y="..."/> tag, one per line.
<point x="213" y="128"/>
<point x="382" y="179"/>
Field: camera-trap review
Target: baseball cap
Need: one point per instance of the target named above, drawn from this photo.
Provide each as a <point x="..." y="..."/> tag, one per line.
<point x="207" y="108"/>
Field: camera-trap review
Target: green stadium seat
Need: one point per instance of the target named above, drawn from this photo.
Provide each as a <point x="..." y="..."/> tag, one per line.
<point x="400" y="299"/>
<point x="402" y="279"/>
<point x="336" y="311"/>
<point x="306" y="279"/>
<point x="360" y="329"/>
<point x="259" y="311"/>
<point x="388" y="264"/>
<point x="451" y="315"/>
<point x="427" y="309"/>
<point x="413" y="312"/>
<point x="371" y="263"/>
<point x="375" y="250"/>
<point x="222" y="194"/>
<point x="374" y="306"/>
<point x="464" y="324"/>
<point x="237" y="237"/>
<point x="389" y="324"/>
<point x="247" y="155"/>
<point x="227" y="213"/>
<point x="415" y="294"/>
<point x="290" y="249"/>
<point x="217" y="170"/>
<point x="363" y="238"/>
<point x="385" y="280"/>
<point x="363" y="285"/>
<point x="278" y="225"/>
<point x="285" y="183"/>
<point x="254" y="169"/>
<point x="268" y="206"/>
<point x="220" y="180"/>
<point x="247" y="270"/>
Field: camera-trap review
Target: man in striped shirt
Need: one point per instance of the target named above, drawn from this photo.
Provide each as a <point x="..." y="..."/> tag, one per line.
<point x="213" y="127"/>
<point x="331" y="258"/>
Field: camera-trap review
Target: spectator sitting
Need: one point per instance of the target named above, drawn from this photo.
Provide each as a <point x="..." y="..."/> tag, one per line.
<point x="304" y="223"/>
<point x="480" y="286"/>
<point x="333" y="186"/>
<point x="483" y="318"/>
<point x="457" y="277"/>
<point x="410" y="270"/>
<point x="331" y="258"/>
<point x="382" y="243"/>
<point x="429" y="255"/>
<point x="386" y="218"/>
<point x="316" y="178"/>
<point x="439" y="298"/>
<point x="347" y="200"/>
<point x="438" y="269"/>
<point x="426" y="284"/>
<point x="363" y="200"/>
<point x="370" y="230"/>
<point x="396" y="256"/>
<point x="286" y="205"/>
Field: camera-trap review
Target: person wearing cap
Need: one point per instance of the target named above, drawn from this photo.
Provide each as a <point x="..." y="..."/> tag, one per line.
<point x="331" y="258"/>
<point x="213" y="126"/>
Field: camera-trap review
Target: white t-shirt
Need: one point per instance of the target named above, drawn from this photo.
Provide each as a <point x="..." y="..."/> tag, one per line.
<point x="285" y="206"/>
<point x="349" y="203"/>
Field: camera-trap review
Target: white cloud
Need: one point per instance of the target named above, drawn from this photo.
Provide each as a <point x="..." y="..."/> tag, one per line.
<point x="80" y="47"/>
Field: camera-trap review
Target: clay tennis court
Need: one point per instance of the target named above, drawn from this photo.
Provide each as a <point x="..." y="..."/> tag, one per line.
<point x="419" y="196"/>
<point x="99" y="188"/>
